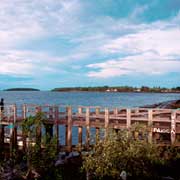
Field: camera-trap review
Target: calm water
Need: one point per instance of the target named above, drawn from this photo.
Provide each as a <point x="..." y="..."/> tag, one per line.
<point x="87" y="99"/>
<point x="104" y="99"/>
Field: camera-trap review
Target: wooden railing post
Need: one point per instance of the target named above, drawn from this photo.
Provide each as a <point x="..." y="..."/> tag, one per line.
<point x="150" y="123"/>
<point x="38" y="129"/>
<point x="97" y="120"/>
<point x="97" y="111"/>
<point x="80" y="137"/>
<point x="80" y="131"/>
<point x="173" y="126"/>
<point x="80" y="110"/>
<point x="1" y="138"/>
<point x="13" y="132"/>
<point x="57" y="126"/>
<point x="106" y="120"/>
<point x="87" y="128"/>
<point x="128" y="118"/>
<point x="69" y="128"/>
<point x="116" y="111"/>
<point x="23" y="133"/>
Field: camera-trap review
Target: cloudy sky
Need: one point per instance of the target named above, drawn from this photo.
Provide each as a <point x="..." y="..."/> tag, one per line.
<point x="61" y="43"/>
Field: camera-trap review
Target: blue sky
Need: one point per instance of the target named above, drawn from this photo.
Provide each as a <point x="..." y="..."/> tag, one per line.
<point x="64" y="43"/>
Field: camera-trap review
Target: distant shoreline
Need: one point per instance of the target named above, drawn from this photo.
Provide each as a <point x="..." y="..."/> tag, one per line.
<point x="117" y="91"/>
<point x="21" y="89"/>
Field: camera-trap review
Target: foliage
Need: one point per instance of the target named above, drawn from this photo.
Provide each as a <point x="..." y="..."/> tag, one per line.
<point x="40" y="156"/>
<point x="120" y="151"/>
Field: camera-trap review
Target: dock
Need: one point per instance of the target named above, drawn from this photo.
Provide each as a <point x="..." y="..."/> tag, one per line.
<point x="164" y="123"/>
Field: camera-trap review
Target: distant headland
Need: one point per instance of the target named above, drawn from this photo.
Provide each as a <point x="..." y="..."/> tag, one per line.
<point x="119" y="89"/>
<point x="21" y="89"/>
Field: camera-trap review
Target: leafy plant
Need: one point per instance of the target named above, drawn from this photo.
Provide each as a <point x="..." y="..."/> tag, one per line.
<point x="121" y="151"/>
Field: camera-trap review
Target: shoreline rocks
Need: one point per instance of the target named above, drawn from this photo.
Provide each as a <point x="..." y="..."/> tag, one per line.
<point x="174" y="104"/>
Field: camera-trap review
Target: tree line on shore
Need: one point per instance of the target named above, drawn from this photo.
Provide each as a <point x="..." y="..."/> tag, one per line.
<point x="119" y="89"/>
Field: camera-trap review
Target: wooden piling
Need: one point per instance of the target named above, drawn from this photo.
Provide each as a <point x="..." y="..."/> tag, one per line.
<point x="173" y="126"/>
<point x="128" y="118"/>
<point x="1" y="138"/>
<point x="97" y="111"/>
<point x="80" y="110"/>
<point x="87" y="128"/>
<point x="150" y="120"/>
<point x="69" y="128"/>
<point x="23" y="133"/>
<point x="38" y="129"/>
<point x="97" y="133"/>
<point x="116" y="111"/>
<point x="49" y="132"/>
<point x="80" y="130"/>
<point x="106" y="120"/>
<point x="13" y="132"/>
<point x="80" y="137"/>
<point x="57" y="126"/>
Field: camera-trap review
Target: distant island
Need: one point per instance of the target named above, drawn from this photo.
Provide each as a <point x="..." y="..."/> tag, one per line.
<point x="119" y="89"/>
<point x="21" y="89"/>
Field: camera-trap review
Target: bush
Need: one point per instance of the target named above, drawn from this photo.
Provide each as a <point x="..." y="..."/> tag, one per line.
<point x="121" y="151"/>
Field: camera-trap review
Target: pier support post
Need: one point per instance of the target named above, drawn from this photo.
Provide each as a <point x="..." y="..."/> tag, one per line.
<point x="69" y="128"/>
<point x="1" y="139"/>
<point x="150" y="123"/>
<point x="128" y="116"/>
<point x="97" y="120"/>
<point x="80" y="138"/>
<point x="38" y="129"/>
<point x="97" y="111"/>
<point x="116" y="111"/>
<point x="1" y="135"/>
<point x="80" y="130"/>
<point x="49" y="126"/>
<point x="173" y="127"/>
<point x="49" y="132"/>
<point x="24" y="135"/>
<point x="57" y="126"/>
<point x="13" y="133"/>
<point x="87" y="128"/>
<point x="106" y="121"/>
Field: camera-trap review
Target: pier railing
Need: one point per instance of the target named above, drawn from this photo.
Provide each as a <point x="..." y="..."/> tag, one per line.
<point x="164" y="123"/>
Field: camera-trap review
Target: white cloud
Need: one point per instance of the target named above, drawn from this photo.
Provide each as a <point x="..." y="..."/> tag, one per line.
<point x="27" y="63"/>
<point x="147" y="64"/>
<point x="147" y="48"/>
<point x="22" y="20"/>
<point x="164" y="42"/>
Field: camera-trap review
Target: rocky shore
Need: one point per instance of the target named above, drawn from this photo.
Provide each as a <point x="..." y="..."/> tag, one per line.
<point x="174" y="104"/>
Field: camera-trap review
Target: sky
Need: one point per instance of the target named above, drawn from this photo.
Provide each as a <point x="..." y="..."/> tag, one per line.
<point x="67" y="43"/>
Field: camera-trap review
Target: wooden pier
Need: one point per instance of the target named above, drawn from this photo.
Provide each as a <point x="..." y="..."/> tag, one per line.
<point x="164" y="123"/>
